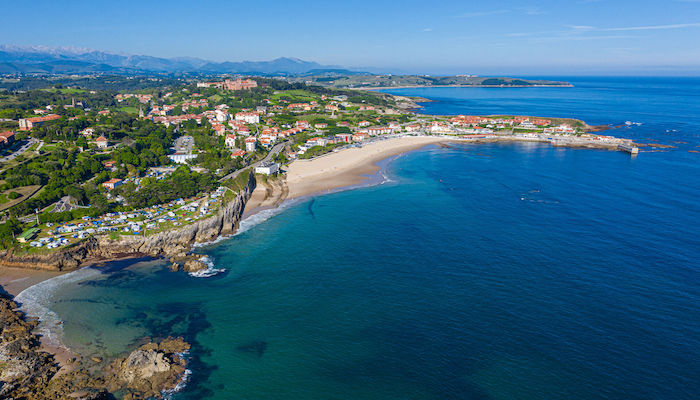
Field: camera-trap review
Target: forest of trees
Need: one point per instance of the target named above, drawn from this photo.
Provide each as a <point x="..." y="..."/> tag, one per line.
<point x="182" y="183"/>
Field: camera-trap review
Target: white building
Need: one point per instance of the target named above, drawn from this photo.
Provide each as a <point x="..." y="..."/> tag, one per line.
<point x="267" y="168"/>
<point x="250" y="144"/>
<point x="230" y="141"/>
<point x="181" y="158"/>
<point x="248" y="117"/>
<point x="221" y="115"/>
<point x="102" y="142"/>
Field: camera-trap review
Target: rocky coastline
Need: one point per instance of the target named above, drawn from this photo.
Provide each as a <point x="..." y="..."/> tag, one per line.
<point x="29" y="373"/>
<point x="174" y="244"/>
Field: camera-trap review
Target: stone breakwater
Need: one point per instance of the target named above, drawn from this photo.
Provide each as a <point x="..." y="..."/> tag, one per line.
<point x="173" y="243"/>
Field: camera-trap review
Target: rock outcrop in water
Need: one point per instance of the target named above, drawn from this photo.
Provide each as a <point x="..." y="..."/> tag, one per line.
<point x="170" y="243"/>
<point x="28" y="373"/>
<point x="149" y="370"/>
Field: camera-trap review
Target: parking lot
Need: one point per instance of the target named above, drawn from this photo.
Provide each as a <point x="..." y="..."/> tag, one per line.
<point x="184" y="144"/>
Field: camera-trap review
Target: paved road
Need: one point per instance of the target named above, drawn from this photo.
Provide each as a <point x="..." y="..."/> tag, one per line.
<point x="273" y="152"/>
<point x="21" y="150"/>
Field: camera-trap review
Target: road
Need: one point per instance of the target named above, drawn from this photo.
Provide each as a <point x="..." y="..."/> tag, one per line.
<point x="21" y="150"/>
<point x="272" y="153"/>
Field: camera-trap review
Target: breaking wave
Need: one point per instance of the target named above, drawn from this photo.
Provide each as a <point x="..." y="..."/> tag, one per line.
<point x="210" y="271"/>
<point x="35" y="302"/>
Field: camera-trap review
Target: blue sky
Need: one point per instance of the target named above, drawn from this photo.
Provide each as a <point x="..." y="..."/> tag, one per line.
<point x="495" y="37"/>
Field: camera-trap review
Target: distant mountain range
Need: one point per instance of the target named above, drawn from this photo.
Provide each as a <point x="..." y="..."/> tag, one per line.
<point x="71" y="60"/>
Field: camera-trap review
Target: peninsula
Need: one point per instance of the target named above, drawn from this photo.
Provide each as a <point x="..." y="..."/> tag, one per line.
<point x="377" y="81"/>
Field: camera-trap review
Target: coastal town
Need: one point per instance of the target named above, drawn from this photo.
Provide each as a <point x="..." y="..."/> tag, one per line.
<point x="84" y="162"/>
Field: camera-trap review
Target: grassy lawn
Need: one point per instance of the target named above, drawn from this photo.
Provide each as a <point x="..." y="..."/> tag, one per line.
<point x="64" y="90"/>
<point x="129" y="110"/>
<point x="296" y="95"/>
<point x="215" y="98"/>
<point x="26" y="192"/>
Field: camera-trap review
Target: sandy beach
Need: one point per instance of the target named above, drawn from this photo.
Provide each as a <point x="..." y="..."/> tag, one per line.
<point x="15" y="280"/>
<point x="332" y="171"/>
<point x="349" y="166"/>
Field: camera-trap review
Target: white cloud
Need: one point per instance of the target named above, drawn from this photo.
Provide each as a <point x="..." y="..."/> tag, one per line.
<point x="652" y="27"/>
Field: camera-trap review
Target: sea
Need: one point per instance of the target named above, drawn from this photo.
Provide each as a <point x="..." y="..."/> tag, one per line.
<point x="469" y="271"/>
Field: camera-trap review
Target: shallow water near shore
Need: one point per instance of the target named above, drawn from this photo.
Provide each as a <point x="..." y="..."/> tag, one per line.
<point x="491" y="271"/>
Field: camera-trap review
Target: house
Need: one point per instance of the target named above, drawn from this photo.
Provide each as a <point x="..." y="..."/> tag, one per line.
<point x="109" y="165"/>
<point x="26" y="124"/>
<point x="412" y="128"/>
<point x="379" y="130"/>
<point x="210" y="84"/>
<point x="364" y="123"/>
<point x="563" y="128"/>
<point x="527" y="125"/>
<point x="321" y="126"/>
<point x="219" y="129"/>
<point x="250" y="144"/>
<point x="237" y="153"/>
<point x="479" y="131"/>
<point x="267" y="168"/>
<point x="112" y="184"/>
<point x="344" y="137"/>
<point x="87" y="132"/>
<point x="6" y="138"/>
<point x="303" y="124"/>
<point x="102" y="142"/>
<point x="317" y="141"/>
<point x="439" y="127"/>
<point x="248" y="117"/>
<point x="394" y="126"/>
<point x="230" y="141"/>
<point x="266" y="141"/>
<point x="360" y="136"/>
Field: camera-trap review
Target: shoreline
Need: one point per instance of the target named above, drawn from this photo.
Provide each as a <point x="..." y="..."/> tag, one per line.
<point x="15" y="280"/>
<point x="461" y="86"/>
<point x="347" y="169"/>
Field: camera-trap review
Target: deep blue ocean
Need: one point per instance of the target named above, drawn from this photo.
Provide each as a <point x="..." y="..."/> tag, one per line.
<point x="474" y="271"/>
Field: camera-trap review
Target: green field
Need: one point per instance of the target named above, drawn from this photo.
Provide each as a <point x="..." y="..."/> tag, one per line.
<point x="129" y="110"/>
<point x="64" y="90"/>
<point x="215" y="98"/>
<point x="298" y="95"/>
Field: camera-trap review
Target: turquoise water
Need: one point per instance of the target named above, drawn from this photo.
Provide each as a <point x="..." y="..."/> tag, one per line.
<point x="493" y="271"/>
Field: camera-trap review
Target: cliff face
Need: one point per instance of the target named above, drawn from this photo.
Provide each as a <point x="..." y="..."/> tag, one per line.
<point x="171" y="243"/>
